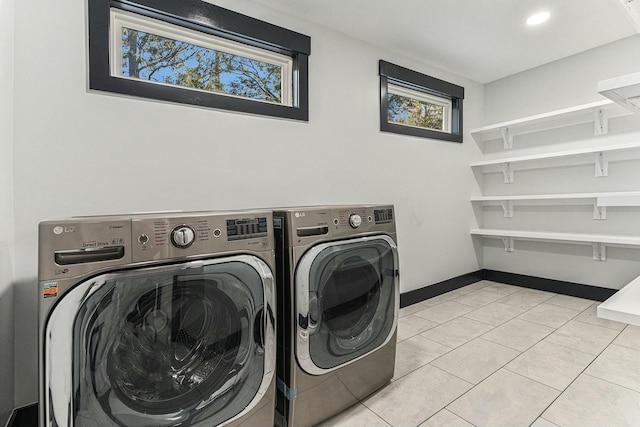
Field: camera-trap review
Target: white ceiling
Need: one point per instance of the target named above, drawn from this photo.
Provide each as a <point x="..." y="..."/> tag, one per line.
<point x="481" y="40"/>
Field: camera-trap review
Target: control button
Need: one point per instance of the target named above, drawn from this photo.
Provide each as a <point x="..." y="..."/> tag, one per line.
<point x="369" y="218"/>
<point x="217" y="232"/>
<point x="143" y="239"/>
<point x="336" y="221"/>
<point x="355" y="220"/>
<point x="183" y="236"/>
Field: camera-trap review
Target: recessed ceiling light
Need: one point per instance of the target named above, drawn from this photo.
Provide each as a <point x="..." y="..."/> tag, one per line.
<point x="538" y="18"/>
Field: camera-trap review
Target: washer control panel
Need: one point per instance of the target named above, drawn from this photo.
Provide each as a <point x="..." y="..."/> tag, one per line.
<point x="355" y="220"/>
<point x="167" y="237"/>
<point x="383" y="216"/>
<point x="75" y="246"/>
<point x="246" y="228"/>
<point x="182" y="236"/>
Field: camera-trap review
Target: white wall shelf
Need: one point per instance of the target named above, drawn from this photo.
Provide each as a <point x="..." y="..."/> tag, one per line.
<point x="624" y="305"/>
<point x="596" y="155"/>
<point x="624" y="90"/>
<point x="600" y="201"/>
<point x="599" y="242"/>
<point x="597" y="112"/>
<point x="557" y="150"/>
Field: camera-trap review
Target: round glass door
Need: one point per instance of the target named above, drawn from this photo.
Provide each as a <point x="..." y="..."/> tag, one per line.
<point x="347" y="296"/>
<point x="167" y="346"/>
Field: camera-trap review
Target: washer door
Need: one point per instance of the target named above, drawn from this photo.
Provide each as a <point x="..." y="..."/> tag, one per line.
<point x="189" y="344"/>
<point x="347" y="301"/>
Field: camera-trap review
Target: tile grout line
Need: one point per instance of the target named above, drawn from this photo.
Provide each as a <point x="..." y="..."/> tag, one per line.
<point x="472" y="384"/>
<point x="611" y="382"/>
<point x="560" y="392"/>
<point x="577" y="376"/>
<point x="459" y="416"/>
<point x="429" y="362"/>
<point x="528" y="348"/>
<point x="377" y="415"/>
<point x="580" y="351"/>
<point x="520" y="352"/>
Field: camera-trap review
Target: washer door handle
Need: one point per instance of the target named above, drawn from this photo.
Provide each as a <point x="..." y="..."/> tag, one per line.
<point x="259" y="328"/>
<point x="314" y="313"/>
<point x="82" y="256"/>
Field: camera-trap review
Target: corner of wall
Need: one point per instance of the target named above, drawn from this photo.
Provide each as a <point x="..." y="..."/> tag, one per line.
<point x="566" y="83"/>
<point x="560" y="84"/>
<point x="7" y="274"/>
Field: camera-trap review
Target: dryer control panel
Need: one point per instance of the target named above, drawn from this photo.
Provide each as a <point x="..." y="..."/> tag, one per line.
<point x="308" y="223"/>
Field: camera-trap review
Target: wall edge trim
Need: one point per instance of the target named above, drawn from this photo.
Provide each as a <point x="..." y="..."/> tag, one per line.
<point x="579" y="290"/>
<point x="24" y="416"/>
<point x="430" y="291"/>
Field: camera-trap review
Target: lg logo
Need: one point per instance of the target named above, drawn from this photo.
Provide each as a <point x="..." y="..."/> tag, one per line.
<point x="299" y="214"/>
<point x="59" y="229"/>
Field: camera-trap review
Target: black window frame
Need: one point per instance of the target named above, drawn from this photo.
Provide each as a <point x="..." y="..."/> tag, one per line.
<point x="400" y="76"/>
<point x="210" y="19"/>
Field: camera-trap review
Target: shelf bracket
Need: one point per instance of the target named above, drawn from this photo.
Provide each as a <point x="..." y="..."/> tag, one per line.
<point x="602" y="165"/>
<point x="599" y="251"/>
<point x="507" y="207"/>
<point x="599" y="212"/>
<point x="507" y="138"/>
<point x="507" y="172"/>
<point x="508" y="244"/>
<point x="600" y="123"/>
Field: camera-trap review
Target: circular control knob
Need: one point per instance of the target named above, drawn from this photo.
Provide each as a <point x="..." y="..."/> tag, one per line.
<point x="355" y="220"/>
<point x="182" y="236"/>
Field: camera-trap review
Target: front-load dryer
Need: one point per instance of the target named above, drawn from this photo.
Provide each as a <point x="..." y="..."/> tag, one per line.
<point x="157" y="320"/>
<point x="338" y="301"/>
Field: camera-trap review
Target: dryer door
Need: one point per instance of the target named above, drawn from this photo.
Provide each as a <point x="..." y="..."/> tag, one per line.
<point x="347" y="301"/>
<point x="189" y="344"/>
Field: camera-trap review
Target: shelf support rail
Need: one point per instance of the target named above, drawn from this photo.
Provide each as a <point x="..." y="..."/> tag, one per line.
<point x="507" y="207"/>
<point x="507" y="138"/>
<point x="602" y="165"/>
<point x="599" y="212"/>
<point x="509" y="245"/>
<point x="599" y="251"/>
<point x="600" y="122"/>
<point x="507" y="172"/>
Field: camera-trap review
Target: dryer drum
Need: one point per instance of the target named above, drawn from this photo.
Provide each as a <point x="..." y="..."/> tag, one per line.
<point x="164" y="362"/>
<point x="351" y="302"/>
<point x="350" y="298"/>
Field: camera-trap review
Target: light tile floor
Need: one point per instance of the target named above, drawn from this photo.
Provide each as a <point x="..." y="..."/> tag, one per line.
<point x="493" y="355"/>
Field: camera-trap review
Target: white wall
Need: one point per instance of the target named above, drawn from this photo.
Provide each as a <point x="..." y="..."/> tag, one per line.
<point x="565" y="83"/>
<point x="81" y="153"/>
<point x="6" y="210"/>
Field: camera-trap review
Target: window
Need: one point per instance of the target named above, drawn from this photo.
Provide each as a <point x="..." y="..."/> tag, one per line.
<point x="193" y="52"/>
<point x="419" y="105"/>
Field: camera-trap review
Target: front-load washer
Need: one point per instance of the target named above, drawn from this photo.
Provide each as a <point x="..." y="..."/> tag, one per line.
<point x="338" y="301"/>
<point x="157" y="320"/>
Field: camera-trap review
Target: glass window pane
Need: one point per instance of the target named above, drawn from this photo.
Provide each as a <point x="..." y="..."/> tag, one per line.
<point x="147" y="56"/>
<point x="413" y="112"/>
<point x="419" y="105"/>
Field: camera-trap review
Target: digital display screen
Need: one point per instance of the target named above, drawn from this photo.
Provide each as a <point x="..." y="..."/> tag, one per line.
<point x="246" y="228"/>
<point x="383" y="216"/>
